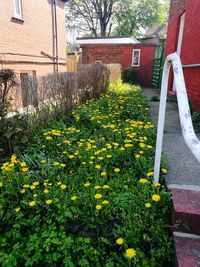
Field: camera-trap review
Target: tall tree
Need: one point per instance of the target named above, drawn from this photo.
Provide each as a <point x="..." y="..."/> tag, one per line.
<point x="93" y="15"/>
<point x="132" y="16"/>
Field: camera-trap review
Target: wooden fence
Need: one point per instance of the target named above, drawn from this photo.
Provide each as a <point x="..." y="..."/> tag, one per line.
<point x="73" y="62"/>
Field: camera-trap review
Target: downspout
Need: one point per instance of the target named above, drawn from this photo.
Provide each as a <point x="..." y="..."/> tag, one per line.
<point x="56" y="32"/>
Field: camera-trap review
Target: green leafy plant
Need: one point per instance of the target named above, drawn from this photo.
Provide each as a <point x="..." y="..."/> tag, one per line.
<point x="129" y="75"/>
<point x="83" y="194"/>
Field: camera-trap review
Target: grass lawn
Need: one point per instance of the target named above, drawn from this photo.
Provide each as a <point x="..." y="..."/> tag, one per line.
<point x="83" y="195"/>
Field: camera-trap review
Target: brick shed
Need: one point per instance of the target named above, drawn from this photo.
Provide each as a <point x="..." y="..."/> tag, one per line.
<point x="183" y="36"/>
<point x="124" y="50"/>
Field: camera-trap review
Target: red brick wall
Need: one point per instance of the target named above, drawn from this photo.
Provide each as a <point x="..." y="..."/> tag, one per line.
<point x="122" y="54"/>
<point x="190" y="51"/>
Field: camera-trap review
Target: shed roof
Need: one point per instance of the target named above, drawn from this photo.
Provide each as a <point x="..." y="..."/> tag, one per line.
<point x="107" y="40"/>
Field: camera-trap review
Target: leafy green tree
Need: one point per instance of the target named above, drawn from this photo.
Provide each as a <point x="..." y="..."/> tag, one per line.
<point x="134" y="15"/>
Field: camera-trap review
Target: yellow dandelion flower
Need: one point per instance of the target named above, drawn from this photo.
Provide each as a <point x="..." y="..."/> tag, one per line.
<point x="32" y="203"/>
<point x="87" y="184"/>
<point x="106" y="186"/>
<point x="32" y="187"/>
<point x="23" y="164"/>
<point x="48" y="201"/>
<point x="97" y="187"/>
<point x="48" y="138"/>
<point x="103" y="174"/>
<point x="105" y="202"/>
<point x="22" y="191"/>
<point x="71" y="156"/>
<point x="63" y="186"/>
<point x="1" y="184"/>
<point x="11" y="165"/>
<point x="98" y="166"/>
<point x="46" y="191"/>
<point x="56" y="163"/>
<point x="26" y="186"/>
<point x="24" y="169"/>
<point x="74" y="198"/>
<point x="143" y="180"/>
<point x="149" y="174"/>
<point x="164" y="171"/>
<point x="35" y="195"/>
<point x="98" y="196"/>
<point x="156" y="197"/>
<point x="62" y="165"/>
<point x="117" y="170"/>
<point x="17" y="209"/>
<point x="98" y="207"/>
<point x="137" y="156"/>
<point x="120" y="241"/>
<point x="148" y="205"/>
<point x="43" y="161"/>
<point x="130" y="253"/>
<point x="35" y="183"/>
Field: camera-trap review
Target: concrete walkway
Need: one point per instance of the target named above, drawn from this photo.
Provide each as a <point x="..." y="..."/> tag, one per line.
<point x="184" y="169"/>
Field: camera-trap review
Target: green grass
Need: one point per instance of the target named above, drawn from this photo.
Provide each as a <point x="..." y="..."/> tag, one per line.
<point x="83" y="194"/>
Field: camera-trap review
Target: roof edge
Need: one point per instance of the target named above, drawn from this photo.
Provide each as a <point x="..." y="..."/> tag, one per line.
<point x="103" y="37"/>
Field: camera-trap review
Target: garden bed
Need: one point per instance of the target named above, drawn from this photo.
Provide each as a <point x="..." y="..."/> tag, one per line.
<point x="83" y="195"/>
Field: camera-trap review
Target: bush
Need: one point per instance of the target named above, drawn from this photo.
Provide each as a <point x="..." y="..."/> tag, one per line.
<point x="83" y="194"/>
<point x="49" y="99"/>
<point x="129" y="75"/>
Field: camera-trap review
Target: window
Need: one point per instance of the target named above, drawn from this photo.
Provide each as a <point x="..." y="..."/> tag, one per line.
<point x="17" y="6"/>
<point x="98" y="61"/>
<point x="136" y="57"/>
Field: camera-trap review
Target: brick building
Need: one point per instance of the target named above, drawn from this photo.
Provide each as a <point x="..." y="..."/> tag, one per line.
<point x="183" y="36"/>
<point x="32" y="36"/>
<point x="124" y="50"/>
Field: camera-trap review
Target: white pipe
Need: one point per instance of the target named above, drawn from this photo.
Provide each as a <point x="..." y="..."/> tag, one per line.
<point x="184" y="112"/>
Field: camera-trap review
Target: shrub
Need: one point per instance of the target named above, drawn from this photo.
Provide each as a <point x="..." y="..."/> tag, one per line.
<point x="129" y="75"/>
<point x="50" y="98"/>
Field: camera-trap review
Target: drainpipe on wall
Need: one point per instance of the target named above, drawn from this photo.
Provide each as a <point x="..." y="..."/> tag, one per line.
<point x="55" y="32"/>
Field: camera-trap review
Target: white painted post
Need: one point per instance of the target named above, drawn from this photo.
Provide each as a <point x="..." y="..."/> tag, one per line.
<point x="184" y="112"/>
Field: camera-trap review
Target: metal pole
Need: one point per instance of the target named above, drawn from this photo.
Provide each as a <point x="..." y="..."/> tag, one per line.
<point x="56" y="33"/>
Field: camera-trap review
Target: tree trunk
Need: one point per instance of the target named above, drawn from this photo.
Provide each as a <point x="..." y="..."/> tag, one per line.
<point x="103" y="30"/>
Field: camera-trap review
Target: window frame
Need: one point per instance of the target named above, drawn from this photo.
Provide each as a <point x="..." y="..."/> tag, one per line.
<point x="137" y="50"/>
<point x="98" y="62"/>
<point x="16" y="15"/>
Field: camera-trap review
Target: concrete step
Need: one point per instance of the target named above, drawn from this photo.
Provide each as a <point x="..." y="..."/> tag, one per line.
<point x="187" y="248"/>
<point x="186" y="209"/>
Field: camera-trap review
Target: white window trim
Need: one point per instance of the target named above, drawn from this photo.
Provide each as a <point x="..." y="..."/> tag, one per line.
<point x="133" y="57"/>
<point x="18" y="16"/>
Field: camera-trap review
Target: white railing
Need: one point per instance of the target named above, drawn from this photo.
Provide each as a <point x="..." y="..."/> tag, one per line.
<point x="184" y="111"/>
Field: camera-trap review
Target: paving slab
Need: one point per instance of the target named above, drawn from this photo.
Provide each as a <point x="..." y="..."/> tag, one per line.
<point x="183" y="169"/>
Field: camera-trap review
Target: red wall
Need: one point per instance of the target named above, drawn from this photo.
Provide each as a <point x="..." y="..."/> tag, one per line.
<point x="190" y="51"/>
<point x="122" y="54"/>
